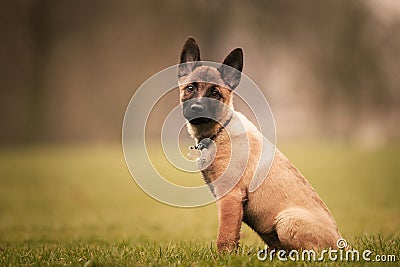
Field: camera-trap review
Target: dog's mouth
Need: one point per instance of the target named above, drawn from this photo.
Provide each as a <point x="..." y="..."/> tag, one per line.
<point x="200" y="121"/>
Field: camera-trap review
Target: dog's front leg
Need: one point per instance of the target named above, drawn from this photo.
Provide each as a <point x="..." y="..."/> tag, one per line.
<point x="230" y="211"/>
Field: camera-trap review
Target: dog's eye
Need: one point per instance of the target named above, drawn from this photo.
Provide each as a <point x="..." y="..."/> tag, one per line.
<point x="190" y="88"/>
<point x="215" y="92"/>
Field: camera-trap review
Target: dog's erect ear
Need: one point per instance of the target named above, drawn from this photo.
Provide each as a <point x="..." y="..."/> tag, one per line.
<point x="234" y="60"/>
<point x="190" y="55"/>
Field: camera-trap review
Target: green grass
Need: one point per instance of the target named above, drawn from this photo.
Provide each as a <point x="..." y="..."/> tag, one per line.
<point x="78" y="205"/>
<point x="129" y="253"/>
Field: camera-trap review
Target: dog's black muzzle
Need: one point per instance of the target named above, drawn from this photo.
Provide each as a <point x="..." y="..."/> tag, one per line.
<point x="199" y="111"/>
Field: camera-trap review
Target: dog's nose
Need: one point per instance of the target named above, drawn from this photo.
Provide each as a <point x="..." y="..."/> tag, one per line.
<point x="196" y="108"/>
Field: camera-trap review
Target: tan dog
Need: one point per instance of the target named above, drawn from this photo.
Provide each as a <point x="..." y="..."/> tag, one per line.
<point x="285" y="210"/>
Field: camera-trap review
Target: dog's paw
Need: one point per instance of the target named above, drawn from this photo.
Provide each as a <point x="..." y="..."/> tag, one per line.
<point x="227" y="246"/>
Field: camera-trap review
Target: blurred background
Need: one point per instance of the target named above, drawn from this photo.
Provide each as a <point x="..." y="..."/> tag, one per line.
<point x="329" y="69"/>
<point x="69" y="68"/>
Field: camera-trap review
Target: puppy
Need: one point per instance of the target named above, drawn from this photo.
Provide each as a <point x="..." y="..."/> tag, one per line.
<point x="284" y="210"/>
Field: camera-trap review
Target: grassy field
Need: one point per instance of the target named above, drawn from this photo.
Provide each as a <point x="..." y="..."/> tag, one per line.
<point x="78" y="205"/>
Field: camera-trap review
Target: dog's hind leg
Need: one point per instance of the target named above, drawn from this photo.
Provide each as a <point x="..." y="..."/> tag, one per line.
<point x="298" y="228"/>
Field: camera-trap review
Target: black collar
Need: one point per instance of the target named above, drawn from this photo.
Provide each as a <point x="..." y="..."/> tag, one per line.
<point x="205" y="142"/>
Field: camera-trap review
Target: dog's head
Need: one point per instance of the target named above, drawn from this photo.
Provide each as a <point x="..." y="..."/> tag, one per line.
<point x="206" y="91"/>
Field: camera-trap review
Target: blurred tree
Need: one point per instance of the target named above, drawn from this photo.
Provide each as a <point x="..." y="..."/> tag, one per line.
<point x="40" y="35"/>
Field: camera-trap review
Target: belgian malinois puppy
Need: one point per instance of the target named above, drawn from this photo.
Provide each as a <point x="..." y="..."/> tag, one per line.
<point x="284" y="210"/>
